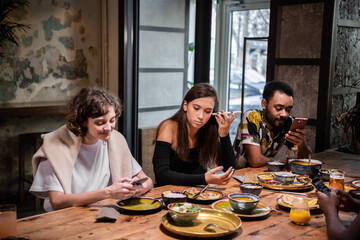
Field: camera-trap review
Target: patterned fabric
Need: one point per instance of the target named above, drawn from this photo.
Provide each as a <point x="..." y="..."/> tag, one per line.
<point x="253" y="130"/>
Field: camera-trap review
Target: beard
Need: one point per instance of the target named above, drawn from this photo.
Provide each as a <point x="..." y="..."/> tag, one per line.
<point x="277" y="123"/>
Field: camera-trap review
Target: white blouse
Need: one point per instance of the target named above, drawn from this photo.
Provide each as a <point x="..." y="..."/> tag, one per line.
<point x="91" y="172"/>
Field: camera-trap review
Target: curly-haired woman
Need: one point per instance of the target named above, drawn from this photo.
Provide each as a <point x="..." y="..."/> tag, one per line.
<point x="86" y="160"/>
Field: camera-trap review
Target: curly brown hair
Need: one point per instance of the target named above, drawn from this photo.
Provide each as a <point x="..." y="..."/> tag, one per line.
<point x="89" y="103"/>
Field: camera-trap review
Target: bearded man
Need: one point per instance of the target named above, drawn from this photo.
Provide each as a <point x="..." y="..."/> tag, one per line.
<point x="262" y="135"/>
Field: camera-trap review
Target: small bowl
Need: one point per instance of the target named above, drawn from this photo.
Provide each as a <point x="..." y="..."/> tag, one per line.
<point x="243" y="202"/>
<point x="252" y="188"/>
<point x="180" y="216"/>
<point x="301" y="167"/>
<point x="284" y="177"/>
<point x="275" y="166"/>
<point x="325" y="174"/>
<point x="173" y="197"/>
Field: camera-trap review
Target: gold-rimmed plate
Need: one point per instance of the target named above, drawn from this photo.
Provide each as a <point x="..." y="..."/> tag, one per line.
<point x="356" y="183"/>
<point x="282" y="201"/>
<point x="267" y="181"/>
<point x="139" y="205"/>
<point x="206" y="216"/>
<point x="224" y="205"/>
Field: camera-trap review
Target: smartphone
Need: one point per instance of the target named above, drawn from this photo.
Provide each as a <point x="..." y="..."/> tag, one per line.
<point x="139" y="181"/>
<point x="318" y="183"/>
<point x="298" y="123"/>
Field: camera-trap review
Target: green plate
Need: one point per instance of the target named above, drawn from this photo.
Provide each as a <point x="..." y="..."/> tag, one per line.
<point x="140" y="205"/>
<point x="224" y="205"/>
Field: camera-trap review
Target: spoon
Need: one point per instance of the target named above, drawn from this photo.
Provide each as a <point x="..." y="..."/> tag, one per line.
<point x="207" y="228"/>
<point x="309" y="159"/>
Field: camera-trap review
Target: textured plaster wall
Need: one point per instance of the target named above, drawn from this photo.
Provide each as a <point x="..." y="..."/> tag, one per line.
<point x="57" y="56"/>
<point x="299" y="36"/>
<point x="300" y="31"/>
<point x="347" y="67"/>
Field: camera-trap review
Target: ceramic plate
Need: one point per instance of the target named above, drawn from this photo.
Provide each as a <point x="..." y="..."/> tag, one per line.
<point x="224" y="205"/>
<point x="263" y="177"/>
<point x="206" y="216"/>
<point x="311" y="201"/>
<point x="219" y="195"/>
<point x="356" y="183"/>
<point x="141" y="205"/>
<point x="347" y="187"/>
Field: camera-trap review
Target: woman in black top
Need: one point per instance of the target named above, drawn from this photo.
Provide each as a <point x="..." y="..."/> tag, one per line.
<point x="187" y="144"/>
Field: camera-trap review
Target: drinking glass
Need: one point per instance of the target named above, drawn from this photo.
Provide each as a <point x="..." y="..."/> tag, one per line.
<point x="250" y="178"/>
<point x="337" y="180"/>
<point x="7" y="220"/>
<point x="300" y="213"/>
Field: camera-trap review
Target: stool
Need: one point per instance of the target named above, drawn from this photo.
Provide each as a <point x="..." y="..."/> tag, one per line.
<point x="34" y="141"/>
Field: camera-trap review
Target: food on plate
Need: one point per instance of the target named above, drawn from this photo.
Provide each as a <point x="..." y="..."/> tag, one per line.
<point x="288" y="199"/>
<point x="206" y="195"/>
<point x="185" y="207"/>
<point x="271" y="181"/>
<point x="265" y="177"/>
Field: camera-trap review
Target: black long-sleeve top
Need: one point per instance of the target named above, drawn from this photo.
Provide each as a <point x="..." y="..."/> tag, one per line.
<point x="170" y="169"/>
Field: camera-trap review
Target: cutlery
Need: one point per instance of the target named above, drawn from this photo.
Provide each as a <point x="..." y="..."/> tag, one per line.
<point x="201" y="191"/>
<point x="207" y="228"/>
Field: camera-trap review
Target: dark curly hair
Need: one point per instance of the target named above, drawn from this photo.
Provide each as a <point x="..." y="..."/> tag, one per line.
<point x="273" y="86"/>
<point x="89" y="103"/>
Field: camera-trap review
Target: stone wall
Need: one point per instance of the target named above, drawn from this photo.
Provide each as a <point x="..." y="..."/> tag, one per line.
<point x="56" y="57"/>
<point x="347" y="68"/>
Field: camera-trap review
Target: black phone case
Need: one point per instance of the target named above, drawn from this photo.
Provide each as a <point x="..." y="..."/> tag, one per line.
<point x="318" y="183"/>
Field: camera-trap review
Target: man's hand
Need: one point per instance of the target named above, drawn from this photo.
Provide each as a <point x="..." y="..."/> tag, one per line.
<point x="296" y="137"/>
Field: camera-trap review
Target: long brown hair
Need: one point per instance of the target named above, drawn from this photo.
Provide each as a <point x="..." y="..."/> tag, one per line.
<point x="89" y="103"/>
<point x="207" y="136"/>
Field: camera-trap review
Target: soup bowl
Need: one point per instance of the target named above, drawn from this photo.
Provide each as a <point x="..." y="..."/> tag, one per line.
<point x="302" y="167"/>
<point x="184" y="213"/>
<point x="273" y="166"/>
<point x="284" y="177"/>
<point x="173" y="197"/>
<point x="243" y="202"/>
<point x="252" y="188"/>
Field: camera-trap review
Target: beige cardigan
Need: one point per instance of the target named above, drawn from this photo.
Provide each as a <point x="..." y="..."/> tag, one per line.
<point x="61" y="148"/>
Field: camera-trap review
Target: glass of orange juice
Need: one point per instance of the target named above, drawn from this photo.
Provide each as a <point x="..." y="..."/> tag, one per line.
<point x="7" y="220"/>
<point x="300" y="213"/>
<point x="337" y="180"/>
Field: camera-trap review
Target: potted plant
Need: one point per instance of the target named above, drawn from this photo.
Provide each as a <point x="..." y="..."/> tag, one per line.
<point x="9" y="11"/>
<point x="350" y="121"/>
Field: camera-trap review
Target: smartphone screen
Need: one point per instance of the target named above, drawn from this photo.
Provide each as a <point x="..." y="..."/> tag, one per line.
<point x="298" y="123"/>
<point x="140" y="181"/>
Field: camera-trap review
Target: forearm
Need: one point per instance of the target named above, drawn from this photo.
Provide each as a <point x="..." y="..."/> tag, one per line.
<point x="226" y="153"/>
<point x="335" y="228"/>
<point x="61" y="200"/>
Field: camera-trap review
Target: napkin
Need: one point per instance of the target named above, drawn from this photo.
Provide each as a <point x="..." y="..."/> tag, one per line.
<point x="107" y="214"/>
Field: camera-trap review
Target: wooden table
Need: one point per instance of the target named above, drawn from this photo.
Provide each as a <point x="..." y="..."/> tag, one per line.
<point x="79" y="222"/>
